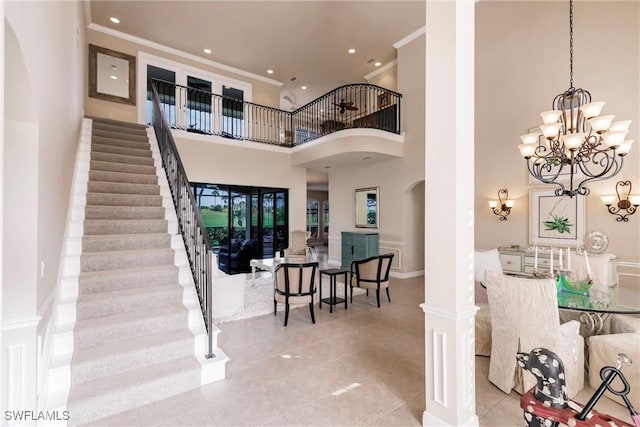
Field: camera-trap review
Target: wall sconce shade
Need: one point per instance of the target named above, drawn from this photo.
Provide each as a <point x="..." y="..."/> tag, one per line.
<point x="502" y="206"/>
<point x="623" y="203"/>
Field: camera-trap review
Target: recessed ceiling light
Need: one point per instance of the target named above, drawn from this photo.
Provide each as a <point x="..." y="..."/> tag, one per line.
<point x="377" y="64"/>
<point x="270" y="71"/>
<point x="327" y="167"/>
<point x="114" y="77"/>
<point x="114" y="67"/>
<point x="114" y="20"/>
<point x="366" y="158"/>
<point x="303" y="87"/>
<point x="207" y="51"/>
<point x="352" y="50"/>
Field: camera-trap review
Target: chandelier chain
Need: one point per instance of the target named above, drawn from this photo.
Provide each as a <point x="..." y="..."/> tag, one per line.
<point x="570" y="44"/>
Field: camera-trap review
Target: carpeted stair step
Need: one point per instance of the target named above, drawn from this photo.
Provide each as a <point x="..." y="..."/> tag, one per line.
<point x="103" y="330"/>
<point x="110" y="199"/>
<point x="133" y="128"/>
<point x="139" y="277"/>
<point x="122" y="188"/>
<point x="103" y="121"/>
<point x="119" y="135"/>
<point x="124" y="212"/>
<point x="149" y="384"/>
<point x="131" y="178"/>
<point x="117" y="393"/>
<point x="114" y="149"/>
<point x="121" y="356"/>
<point x="115" y="260"/>
<point x="120" y="142"/>
<point x="124" y="226"/>
<point x="119" y="158"/>
<point x="100" y="304"/>
<point x="123" y="242"/>
<point x="108" y="166"/>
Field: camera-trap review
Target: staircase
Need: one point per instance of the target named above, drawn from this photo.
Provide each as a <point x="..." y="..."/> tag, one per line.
<point x="137" y="331"/>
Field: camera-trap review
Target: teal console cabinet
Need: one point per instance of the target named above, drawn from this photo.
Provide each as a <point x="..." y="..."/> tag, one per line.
<point x="357" y="246"/>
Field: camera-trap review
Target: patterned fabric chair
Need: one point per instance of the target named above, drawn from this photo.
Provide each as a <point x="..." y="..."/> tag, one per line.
<point x="528" y="318"/>
<point x="294" y="284"/>
<point x="372" y="273"/>
<point x="484" y="261"/>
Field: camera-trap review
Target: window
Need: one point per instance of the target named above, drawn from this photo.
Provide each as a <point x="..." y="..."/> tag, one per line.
<point x="312" y="217"/>
<point x="325" y="217"/>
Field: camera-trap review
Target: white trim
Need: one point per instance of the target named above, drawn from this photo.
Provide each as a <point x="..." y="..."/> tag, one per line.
<point x="407" y="275"/>
<point x="346" y="133"/>
<point x="180" y="53"/>
<point x="439" y="367"/>
<point x="432" y="310"/>
<point x="87" y="12"/>
<point x="183" y="134"/>
<point x="382" y="69"/>
<point x="28" y="322"/>
<point x="16" y="370"/>
<point x="411" y="37"/>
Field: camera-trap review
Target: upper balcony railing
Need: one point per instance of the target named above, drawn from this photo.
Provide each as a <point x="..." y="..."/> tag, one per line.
<point x="357" y="105"/>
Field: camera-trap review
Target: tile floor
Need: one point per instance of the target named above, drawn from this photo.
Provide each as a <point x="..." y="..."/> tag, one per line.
<point x="355" y="367"/>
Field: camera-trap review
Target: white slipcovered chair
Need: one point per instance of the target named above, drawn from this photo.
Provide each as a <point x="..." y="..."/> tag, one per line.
<point x="484" y="261"/>
<point x="298" y="249"/>
<point x="528" y="318"/>
<point x="604" y="349"/>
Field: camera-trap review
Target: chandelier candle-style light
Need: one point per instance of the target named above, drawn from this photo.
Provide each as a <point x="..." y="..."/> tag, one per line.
<point x="575" y="141"/>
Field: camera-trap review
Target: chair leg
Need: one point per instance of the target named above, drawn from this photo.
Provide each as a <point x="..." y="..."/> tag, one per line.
<point x="275" y="307"/>
<point x="313" y="319"/>
<point x="389" y="297"/>
<point x="378" y="296"/>
<point x="351" y="294"/>
<point x="286" y="314"/>
<point x="367" y="292"/>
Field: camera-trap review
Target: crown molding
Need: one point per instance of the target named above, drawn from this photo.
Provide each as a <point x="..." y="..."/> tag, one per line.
<point x="411" y="37"/>
<point x="180" y="53"/>
<point x="382" y="69"/>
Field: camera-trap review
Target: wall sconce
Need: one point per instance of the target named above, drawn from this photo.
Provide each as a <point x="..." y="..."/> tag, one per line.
<point x="502" y="206"/>
<point x="623" y="201"/>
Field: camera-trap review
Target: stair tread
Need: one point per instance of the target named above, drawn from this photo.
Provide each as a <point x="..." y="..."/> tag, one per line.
<point x="103" y="351"/>
<point x="130" y="270"/>
<point x="132" y="316"/>
<point x="113" y="122"/>
<point x="116" y="176"/>
<point x="120" y="236"/>
<point x="127" y="292"/>
<point x="131" y="252"/>
<point x="135" y="377"/>
<point x="98" y="164"/>
<point x="127" y="151"/>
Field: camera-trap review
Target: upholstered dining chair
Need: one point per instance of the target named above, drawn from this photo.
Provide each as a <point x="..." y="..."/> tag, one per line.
<point x="294" y="284"/>
<point x="372" y="273"/>
<point x="298" y="244"/>
<point x="528" y="318"/>
<point x="484" y="261"/>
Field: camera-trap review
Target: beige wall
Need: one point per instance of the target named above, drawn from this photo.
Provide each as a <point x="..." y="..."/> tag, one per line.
<point x="263" y="93"/>
<point x="254" y="164"/>
<point x="522" y="63"/>
<point x="388" y="79"/>
<point x="399" y="231"/>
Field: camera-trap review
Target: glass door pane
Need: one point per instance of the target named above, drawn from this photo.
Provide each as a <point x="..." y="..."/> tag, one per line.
<point x="267" y="225"/>
<point x="232" y="112"/>
<point x="166" y="92"/>
<point x="281" y="222"/>
<point x="198" y="108"/>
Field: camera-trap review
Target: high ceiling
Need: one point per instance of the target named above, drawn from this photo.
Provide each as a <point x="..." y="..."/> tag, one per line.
<point x="307" y="40"/>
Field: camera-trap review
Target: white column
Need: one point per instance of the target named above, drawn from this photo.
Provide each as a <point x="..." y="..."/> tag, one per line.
<point x="449" y="216"/>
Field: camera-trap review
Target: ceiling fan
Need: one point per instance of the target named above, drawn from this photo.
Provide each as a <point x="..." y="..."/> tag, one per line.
<point x="344" y="106"/>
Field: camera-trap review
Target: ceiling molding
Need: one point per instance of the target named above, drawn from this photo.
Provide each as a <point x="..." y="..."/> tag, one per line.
<point x="172" y="51"/>
<point x="382" y="69"/>
<point x="411" y="37"/>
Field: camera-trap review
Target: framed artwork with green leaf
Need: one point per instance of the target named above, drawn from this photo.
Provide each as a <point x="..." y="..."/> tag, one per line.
<point x="555" y="220"/>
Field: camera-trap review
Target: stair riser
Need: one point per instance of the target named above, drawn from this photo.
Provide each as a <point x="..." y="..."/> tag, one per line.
<point x="122" y="188"/>
<point x="123" y="177"/>
<point x="126" y="136"/>
<point x="109" y="166"/>
<point x="100" y="261"/>
<point x="120" y="142"/>
<point x="125" y="151"/>
<point x="98" y="283"/>
<point x="132" y="130"/>
<point x="133" y="396"/>
<point x="99" y="368"/>
<point x="124" y="212"/>
<point x="96" y="226"/>
<point x="125" y="242"/>
<point x="117" y="158"/>
<point x="144" y="301"/>
<point x="106" y="199"/>
<point x="109" y="332"/>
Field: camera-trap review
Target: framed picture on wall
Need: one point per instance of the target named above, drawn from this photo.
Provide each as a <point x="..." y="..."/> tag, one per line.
<point x="555" y="220"/>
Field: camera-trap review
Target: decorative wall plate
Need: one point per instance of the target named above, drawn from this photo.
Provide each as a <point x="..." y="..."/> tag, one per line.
<point x="596" y="242"/>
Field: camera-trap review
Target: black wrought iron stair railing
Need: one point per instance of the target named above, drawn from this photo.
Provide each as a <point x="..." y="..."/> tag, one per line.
<point x="358" y="105"/>
<point x="190" y="223"/>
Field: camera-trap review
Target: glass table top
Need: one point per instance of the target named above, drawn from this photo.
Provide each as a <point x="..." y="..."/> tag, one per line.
<point x="602" y="299"/>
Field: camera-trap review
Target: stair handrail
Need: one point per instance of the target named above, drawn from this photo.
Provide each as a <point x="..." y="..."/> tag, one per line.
<point x="190" y="223"/>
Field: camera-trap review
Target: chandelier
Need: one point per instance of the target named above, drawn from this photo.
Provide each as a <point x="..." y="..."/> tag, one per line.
<point x="576" y="144"/>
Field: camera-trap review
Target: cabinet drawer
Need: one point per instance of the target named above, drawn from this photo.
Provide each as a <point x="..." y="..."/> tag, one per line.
<point x="510" y="262"/>
<point x="542" y="262"/>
